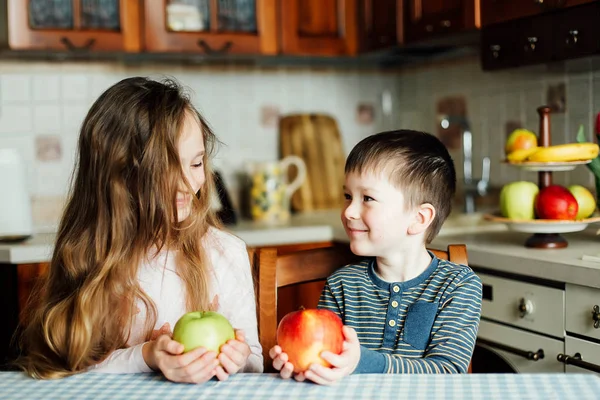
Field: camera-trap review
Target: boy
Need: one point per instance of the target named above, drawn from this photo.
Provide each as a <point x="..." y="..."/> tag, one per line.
<point x="404" y="310"/>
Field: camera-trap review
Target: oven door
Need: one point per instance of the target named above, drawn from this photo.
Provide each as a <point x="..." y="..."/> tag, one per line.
<point x="501" y="349"/>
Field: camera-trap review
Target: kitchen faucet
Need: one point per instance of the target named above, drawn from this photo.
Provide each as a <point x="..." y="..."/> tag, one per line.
<point x="471" y="188"/>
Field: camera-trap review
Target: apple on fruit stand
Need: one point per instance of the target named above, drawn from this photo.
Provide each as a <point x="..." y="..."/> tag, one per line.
<point x="517" y="200"/>
<point x="520" y="139"/>
<point x="585" y="200"/>
<point x="556" y="202"/>
<point x="303" y="335"/>
<point x="206" y="329"/>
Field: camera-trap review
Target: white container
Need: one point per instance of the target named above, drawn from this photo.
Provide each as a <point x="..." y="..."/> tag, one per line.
<point x="15" y="203"/>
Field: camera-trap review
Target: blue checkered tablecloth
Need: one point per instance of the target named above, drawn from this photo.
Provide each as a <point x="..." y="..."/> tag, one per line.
<point x="16" y="385"/>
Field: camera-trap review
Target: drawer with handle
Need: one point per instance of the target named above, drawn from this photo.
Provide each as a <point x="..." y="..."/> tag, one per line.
<point x="583" y="310"/>
<point x="580" y="356"/>
<point x="525" y="352"/>
<point x="526" y="305"/>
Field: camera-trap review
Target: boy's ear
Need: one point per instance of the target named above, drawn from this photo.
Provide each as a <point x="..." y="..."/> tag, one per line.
<point x="424" y="216"/>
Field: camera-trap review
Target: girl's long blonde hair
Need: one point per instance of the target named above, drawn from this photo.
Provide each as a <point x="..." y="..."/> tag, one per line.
<point x="122" y="205"/>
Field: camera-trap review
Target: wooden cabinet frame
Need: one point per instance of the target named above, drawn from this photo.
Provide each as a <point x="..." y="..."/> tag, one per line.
<point x="159" y="39"/>
<point x="22" y="37"/>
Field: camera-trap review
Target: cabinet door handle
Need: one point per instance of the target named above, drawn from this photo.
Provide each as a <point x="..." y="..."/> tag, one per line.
<point x="71" y="47"/>
<point x="209" y="50"/>
<point x="531" y="43"/>
<point x="446" y="23"/>
<point x="578" y="362"/>
<point x="530" y="355"/>
<point x="495" y="49"/>
<point x="572" y="37"/>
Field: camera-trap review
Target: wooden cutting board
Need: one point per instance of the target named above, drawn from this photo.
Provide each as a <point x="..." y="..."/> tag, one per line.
<point x="316" y="139"/>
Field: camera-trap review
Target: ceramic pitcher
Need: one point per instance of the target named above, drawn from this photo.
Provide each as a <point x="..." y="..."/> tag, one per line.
<point x="270" y="191"/>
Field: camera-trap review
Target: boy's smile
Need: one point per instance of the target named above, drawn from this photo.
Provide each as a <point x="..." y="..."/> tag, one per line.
<point x="374" y="215"/>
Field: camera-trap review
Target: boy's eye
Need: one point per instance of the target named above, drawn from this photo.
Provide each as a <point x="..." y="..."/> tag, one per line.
<point x="367" y="198"/>
<point x="347" y="196"/>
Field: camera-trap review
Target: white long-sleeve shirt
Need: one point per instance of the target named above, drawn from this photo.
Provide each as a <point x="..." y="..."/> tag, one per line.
<point x="231" y="292"/>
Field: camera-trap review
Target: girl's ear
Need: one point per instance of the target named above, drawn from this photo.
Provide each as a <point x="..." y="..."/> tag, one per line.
<point x="424" y="215"/>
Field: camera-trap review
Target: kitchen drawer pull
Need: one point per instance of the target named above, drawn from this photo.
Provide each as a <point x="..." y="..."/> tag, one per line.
<point x="578" y="362"/>
<point x="530" y="355"/>
<point x="596" y="316"/>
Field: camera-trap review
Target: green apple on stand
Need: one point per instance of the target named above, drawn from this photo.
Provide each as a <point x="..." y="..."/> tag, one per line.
<point x="517" y="200"/>
<point x="585" y="200"/>
<point x="206" y="329"/>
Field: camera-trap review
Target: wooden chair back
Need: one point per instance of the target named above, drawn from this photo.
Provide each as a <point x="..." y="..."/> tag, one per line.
<point x="272" y="272"/>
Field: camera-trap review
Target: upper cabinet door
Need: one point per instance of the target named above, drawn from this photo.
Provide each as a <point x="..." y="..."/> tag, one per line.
<point x="211" y="26"/>
<point x="319" y="27"/>
<point x="425" y="19"/>
<point x="377" y="22"/>
<point x="104" y="25"/>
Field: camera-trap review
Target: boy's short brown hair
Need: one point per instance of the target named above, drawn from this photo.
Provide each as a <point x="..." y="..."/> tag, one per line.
<point x="416" y="163"/>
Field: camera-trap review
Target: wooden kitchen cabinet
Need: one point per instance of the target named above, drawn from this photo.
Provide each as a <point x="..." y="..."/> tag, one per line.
<point x="563" y="34"/>
<point x="211" y="26"/>
<point x="336" y="27"/>
<point x="495" y="11"/>
<point x="74" y="25"/>
<point x="426" y="19"/>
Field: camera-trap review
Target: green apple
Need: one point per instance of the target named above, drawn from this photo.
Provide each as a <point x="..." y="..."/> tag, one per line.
<point x="585" y="200"/>
<point x="206" y="329"/>
<point x="517" y="200"/>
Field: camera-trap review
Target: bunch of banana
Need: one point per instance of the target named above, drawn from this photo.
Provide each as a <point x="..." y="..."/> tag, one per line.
<point x="556" y="153"/>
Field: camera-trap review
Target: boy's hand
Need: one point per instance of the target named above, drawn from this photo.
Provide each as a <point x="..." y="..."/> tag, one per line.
<point x="280" y="362"/>
<point x="166" y="355"/>
<point x="233" y="356"/>
<point x="341" y="365"/>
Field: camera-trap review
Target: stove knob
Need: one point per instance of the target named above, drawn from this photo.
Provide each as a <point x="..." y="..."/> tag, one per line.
<point x="525" y="307"/>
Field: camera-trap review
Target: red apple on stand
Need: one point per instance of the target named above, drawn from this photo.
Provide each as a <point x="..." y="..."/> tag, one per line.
<point x="556" y="202"/>
<point x="303" y="335"/>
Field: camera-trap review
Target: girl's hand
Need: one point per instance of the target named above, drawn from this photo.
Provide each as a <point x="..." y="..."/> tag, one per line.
<point x="233" y="356"/>
<point x="166" y="355"/>
<point x="341" y="365"/>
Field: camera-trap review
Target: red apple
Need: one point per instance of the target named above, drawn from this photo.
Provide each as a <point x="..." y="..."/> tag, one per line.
<point x="304" y="334"/>
<point x="556" y="202"/>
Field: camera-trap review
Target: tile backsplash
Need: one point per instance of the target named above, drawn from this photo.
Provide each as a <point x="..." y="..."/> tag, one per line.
<point x="495" y="100"/>
<point x="43" y="104"/>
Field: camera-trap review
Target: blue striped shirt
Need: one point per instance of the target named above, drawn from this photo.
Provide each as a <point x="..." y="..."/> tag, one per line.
<point x="424" y="325"/>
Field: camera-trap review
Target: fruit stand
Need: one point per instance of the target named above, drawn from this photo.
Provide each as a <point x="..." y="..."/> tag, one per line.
<point x="548" y="223"/>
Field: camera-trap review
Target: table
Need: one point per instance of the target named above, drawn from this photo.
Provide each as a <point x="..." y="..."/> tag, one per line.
<point x="16" y="385"/>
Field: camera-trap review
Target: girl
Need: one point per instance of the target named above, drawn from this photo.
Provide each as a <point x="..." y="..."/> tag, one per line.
<point x="138" y="246"/>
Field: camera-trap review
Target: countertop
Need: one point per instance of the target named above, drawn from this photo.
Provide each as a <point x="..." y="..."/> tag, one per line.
<point x="317" y="226"/>
<point x="489" y="245"/>
<point x="504" y="251"/>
